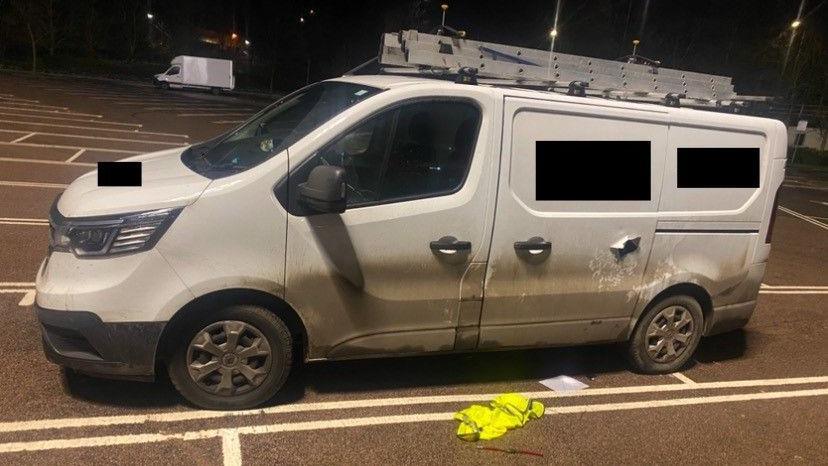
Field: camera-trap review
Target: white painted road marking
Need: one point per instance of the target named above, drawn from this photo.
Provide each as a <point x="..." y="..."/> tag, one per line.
<point x="683" y="378"/>
<point x="792" y="289"/>
<point x="214" y="114"/>
<point x="86" y="442"/>
<point x="12" y="221"/>
<point x="50" y="112"/>
<point x="22" y="138"/>
<point x="46" y="161"/>
<point x="28" y="298"/>
<point x="180" y="416"/>
<point x="79" y="120"/>
<point x="75" y="155"/>
<point x="83" y="136"/>
<point x="803" y="217"/>
<point x="29" y="184"/>
<point x="231" y="447"/>
<point x="61" y="146"/>
<point x="92" y="128"/>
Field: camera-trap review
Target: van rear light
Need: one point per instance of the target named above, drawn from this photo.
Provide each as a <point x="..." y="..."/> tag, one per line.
<point x="775" y="207"/>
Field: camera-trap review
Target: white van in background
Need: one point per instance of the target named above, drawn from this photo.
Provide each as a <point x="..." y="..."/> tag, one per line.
<point x="390" y="215"/>
<point x="199" y="73"/>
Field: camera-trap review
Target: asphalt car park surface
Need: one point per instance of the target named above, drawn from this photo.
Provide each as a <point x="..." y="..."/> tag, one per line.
<point x="757" y="395"/>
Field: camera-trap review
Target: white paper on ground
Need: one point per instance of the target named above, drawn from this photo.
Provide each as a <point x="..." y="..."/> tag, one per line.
<point x="563" y="383"/>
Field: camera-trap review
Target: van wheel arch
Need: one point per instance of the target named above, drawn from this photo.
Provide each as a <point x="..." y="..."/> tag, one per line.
<point x="223" y="298"/>
<point x="689" y="289"/>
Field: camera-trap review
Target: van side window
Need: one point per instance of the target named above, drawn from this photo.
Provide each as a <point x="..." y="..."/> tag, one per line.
<point x="361" y="152"/>
<point x="418" y="150"/>
<point x="592" y="170"/>
<point x="717" y="167"/>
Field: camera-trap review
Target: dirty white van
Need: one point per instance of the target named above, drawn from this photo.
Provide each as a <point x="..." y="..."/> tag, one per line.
<point x="197" y="73"/>
<point x="387" y="215"/>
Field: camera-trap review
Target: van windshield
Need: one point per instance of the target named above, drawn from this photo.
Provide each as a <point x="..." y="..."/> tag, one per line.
<point x="275" y="128"/>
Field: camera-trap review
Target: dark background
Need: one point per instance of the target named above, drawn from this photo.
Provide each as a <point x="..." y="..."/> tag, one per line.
<point x="746" y="39"/>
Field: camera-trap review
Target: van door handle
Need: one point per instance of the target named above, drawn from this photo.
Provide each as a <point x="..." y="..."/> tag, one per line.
<point x="535" y="245"/>
<point x="625" y="246"/>
<point x="449" y="245"/>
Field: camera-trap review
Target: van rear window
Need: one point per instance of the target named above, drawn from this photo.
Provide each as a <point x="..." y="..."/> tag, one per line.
<point x="717" y="167"/>
<point x="592" y="170"/>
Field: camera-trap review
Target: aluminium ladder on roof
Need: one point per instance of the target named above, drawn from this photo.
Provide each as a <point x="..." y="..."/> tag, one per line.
<point x="415" y="52"/>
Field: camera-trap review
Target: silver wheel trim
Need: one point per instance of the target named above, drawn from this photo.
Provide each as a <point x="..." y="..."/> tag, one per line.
<point x="669" y="334"/>
<point x="229" y="358"/>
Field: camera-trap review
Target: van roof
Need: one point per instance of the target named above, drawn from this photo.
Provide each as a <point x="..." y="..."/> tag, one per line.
<point x="706" y="117"/>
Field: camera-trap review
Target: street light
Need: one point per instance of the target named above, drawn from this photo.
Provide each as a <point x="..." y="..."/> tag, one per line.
<point x="301" y="19"/>
<point x="796" y="23"/>
<point x="635" y="45"/>
<point x="246" y="42"/>
<point x="150" y="16"/>
<point x="234" y="36"/>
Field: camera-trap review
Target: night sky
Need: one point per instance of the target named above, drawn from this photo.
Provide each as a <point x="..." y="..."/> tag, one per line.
<point x="746" y="39"/>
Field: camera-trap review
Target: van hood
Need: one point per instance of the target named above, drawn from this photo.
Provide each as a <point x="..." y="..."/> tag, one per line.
<point x="166" y="182"/>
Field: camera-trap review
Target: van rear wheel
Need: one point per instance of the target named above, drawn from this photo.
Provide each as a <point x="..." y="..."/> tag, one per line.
<point x="236" y="358"/>
<point x="666" y="336"/>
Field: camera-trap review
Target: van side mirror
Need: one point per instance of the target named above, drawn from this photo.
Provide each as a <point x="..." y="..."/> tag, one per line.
<point x="325" y="189"/>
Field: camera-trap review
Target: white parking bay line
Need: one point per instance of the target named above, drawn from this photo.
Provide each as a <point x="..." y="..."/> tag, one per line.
<point x="22" y="138"/>
<point x="14" y="290"/>
<point x="75" y="155"/>
<point x="213" y="114"/>
<point x="18" y="283"/>
<point x="49" y="112"/>
<point x="86" y="442"/>
<point x="80" y="422"/>
<point x="683" y="378"/>
<point x="17" y="99"/>
<point x="47" y="162"/>
<point x="28" y="105"/>
<point x="61" y="146"/>
<point x="79" y="120"/>
<point x="97" y="138"/>
<point x="92" y="128"/>
<point x="231" y="447"/>
<point x="31" y="184"/>
<point x="28" y="298"/>
<point x="802" y="216"/>
<point x="792" y="289"/>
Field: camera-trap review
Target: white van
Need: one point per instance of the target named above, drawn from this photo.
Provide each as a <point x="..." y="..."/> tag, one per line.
<point x="385" y="215"/>
<point x="197" y="73"/>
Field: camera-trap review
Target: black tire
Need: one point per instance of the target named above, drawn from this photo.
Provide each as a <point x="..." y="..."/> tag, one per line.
<point x="165" y="86"/>
<point x="648" y="354"/>
<point x="215" y="90"/>
<point x="252" y="323"/>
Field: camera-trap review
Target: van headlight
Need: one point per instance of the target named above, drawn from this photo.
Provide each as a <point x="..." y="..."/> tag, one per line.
<point x="109" y="235"/>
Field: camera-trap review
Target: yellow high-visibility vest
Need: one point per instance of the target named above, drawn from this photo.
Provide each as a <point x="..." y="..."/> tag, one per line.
<point x="505" y="412"/>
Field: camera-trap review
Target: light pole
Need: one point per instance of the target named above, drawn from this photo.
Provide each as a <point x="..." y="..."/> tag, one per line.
<point x="553" y="33"/>
<point x="635" y="45"/>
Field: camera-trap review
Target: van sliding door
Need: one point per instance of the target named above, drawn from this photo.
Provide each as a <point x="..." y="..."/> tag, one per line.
<point x="576" y="215"/>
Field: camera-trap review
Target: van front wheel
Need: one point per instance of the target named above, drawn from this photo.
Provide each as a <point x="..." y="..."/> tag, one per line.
<point x="236" y="358"/>
<point x="666" y="336"/>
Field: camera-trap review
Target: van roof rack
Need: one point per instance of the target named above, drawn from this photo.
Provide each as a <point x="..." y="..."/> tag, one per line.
<point x="452" y="56"/>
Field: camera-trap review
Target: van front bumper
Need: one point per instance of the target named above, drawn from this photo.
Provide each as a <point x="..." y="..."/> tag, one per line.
<point x="81" y="341"/>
